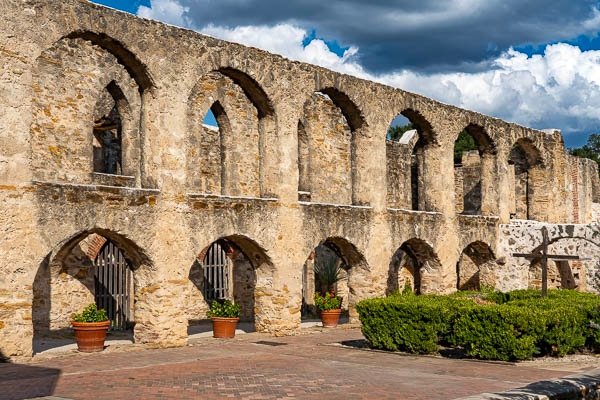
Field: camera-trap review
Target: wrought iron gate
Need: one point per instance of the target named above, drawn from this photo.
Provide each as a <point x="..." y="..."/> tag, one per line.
<point x="113" y="280"/>
<point x="217" y="269"/>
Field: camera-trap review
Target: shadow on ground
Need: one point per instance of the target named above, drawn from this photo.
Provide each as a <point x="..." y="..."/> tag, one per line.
<point x="21" y="381"/>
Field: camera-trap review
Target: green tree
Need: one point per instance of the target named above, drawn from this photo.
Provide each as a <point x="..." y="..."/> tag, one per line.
<point x="464" y="142"/>
<point x="590" y="150"/>
<point x="395" y="132"/>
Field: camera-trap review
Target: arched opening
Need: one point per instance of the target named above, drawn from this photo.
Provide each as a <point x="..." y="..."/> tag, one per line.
<point x="329" y="135"/>
<point x="214" y="157"/>
<point x="334" y="257"/>
<point x="92" y="267"/>
<point x="524" y="162"/>
<point x="232" y="160"/>
<point x="108" y="131"/>
<point x="474" y="161"/>
<point x="132" y="64"/>
<point x="475" y="267"/>
<point x="413" y="267"/>
<point x="101" y="108"/>
<point x="233" y="268"/>
<point x="408" y="139"/>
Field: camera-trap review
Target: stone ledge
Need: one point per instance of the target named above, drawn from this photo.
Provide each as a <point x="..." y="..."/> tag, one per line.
<point x="584" y="386"/>
<point x="413" y="212"/>
<point x="113" y="180"/>
<point x="333" y="205"/>
<point x="218" y="197"/>
<point x="90" y="188"/>
<point x="94" y="194"/>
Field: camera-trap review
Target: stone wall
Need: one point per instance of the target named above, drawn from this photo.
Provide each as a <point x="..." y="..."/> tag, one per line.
<point x="284" y="127"/>
<point x="574" y="240"/>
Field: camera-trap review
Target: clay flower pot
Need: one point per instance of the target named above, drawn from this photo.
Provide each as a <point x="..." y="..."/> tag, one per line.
<point x="330" y="318"/>
<point x="224" y="328"/>
<point x="90" y="336"/>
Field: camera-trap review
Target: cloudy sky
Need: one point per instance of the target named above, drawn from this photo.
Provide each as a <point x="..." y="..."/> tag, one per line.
<point x="534" y="62"/>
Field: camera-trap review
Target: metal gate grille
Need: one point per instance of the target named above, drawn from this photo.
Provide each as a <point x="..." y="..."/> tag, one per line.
<point x="113" y="279"/>
<point x="216" y="267"/>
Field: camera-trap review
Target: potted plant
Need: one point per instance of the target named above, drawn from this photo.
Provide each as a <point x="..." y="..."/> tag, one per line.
<point x="90" y="328"/>
<point x="225" y="316"/>
<point x="327" y="302"/>
<point x="330" y="306"/>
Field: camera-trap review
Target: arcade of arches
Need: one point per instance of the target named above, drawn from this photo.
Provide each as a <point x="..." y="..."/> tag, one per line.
<point x="114" y="191"/>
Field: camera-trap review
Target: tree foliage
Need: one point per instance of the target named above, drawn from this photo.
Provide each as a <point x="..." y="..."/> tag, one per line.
<point x="464" y="142"/>
<point x="395" y="132"/>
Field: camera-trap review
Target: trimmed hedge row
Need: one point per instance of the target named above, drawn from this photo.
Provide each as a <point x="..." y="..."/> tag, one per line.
<point x="487" y="325"/>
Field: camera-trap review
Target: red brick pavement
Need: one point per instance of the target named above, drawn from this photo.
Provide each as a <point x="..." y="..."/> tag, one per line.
<point x="305" y="368"/>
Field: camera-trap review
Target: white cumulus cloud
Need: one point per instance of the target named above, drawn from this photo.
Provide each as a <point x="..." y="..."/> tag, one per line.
<point x="557" y="89"/>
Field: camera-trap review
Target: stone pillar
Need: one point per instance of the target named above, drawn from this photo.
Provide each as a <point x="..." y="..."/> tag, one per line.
<point x="490" y="200"/>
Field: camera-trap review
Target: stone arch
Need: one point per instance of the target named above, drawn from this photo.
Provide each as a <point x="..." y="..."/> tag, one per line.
<point x="251" y="279"/>
<point x="76" y="78"/>
<point x="244" y="166"/>
<point x="406" y="162"/>
<point x="350" y="110"/>
<point x="525" y="175"/>
<point x="252" y="89"/>
<point x="414" y="264"/>
<point x="475" y="173"/>
<point x="128" y="59"/>
<point x="333" y="126"/>
<point x="475" y="267"/>
<point x="354" y="285"/>
<point x="427" y="135"/>
<point x="64" y="282"/>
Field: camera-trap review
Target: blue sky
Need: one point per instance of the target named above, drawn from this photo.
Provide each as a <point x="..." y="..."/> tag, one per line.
<point x="532" y="62"/>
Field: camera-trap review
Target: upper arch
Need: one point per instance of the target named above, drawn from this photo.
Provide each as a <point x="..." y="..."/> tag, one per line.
<point x="532" y="154"/>
<point x="485" y="144"/>
<point x="124" y="56"/>
<point x="426" y="133"/>
<point x="349" y="109"/>
<point x="132" y="251"/>
<point x="252" y="90"/>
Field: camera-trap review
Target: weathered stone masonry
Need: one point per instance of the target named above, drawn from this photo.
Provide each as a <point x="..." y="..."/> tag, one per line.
<point x="300" y="159"/>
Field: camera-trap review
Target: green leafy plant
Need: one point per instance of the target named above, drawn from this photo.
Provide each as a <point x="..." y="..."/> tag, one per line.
<point x="91" y="314"/>
<point x="223" y="309"/>
<point x="488" y="325"/>
<point x="329" y="273"/>
<point x="328" y="301"/>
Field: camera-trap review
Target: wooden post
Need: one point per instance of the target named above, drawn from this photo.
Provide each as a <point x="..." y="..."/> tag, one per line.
<point x="544" y="261"/>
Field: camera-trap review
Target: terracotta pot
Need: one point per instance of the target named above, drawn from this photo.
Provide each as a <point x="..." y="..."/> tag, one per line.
<point x="224" y="328"/>
<point x="90" y="336"/>
<point x="330" y="318"/>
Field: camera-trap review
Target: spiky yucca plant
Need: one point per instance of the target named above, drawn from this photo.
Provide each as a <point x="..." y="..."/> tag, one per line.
<point x="329" y="272"/>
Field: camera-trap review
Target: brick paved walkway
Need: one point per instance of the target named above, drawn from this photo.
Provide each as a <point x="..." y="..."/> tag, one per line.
<point x="251" y="367"/>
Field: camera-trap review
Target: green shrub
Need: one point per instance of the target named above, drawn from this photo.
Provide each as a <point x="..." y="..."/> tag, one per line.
<point x="223" y="309"/>
<point x="495" y="332"/>
<point x="406" y="322"/>
<point x="488" y="325"/>
<point x="91" y="314"/>
<point x="328" y="302"/>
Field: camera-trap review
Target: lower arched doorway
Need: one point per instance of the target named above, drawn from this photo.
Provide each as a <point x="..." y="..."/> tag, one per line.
<point x="337" y="257"/>
<point x="414" y="267"/>
<point x="475" y="267"/>
<point x="91" y="267"/>
<point x="234" y="268"/>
